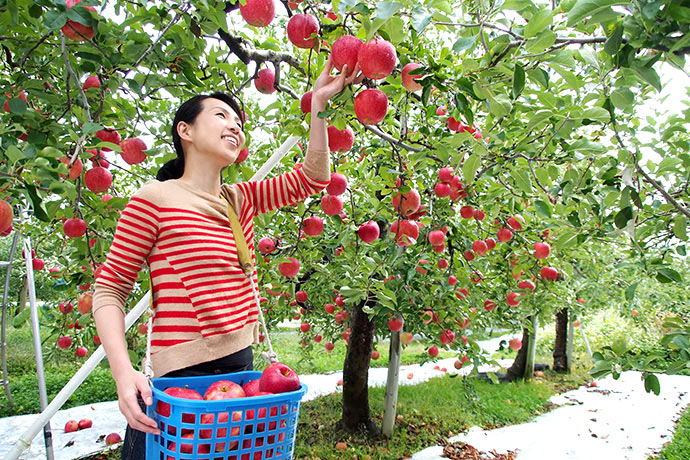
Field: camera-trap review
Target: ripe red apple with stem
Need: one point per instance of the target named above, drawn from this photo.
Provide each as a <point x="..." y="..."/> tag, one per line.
<point x="313" y="226"/>
<point x="266" y="245"/>
<point x="38" y="264"/>
<point x="223" y="389"/>
<point x="447" y="336"/>
<point x="279" y="378"/>
<point x="410" y="202"/>
<point x="65" y="307"/>
<point x="345" y="51"/>
<point x="489" y="305"/>
<point x="133" y="150"/>
<point x="73" y="29"/>
<point x="504" y="235"/>
<point x="542" y="250"/>
<point x="98" y="179"/>
<point x="480" y="247"/>
<point x="445" y="174"/>
<point x="243" y="155"/>
<point x="371" y="106"/>
<point x="71" y="426"/>
<point x="406" y="232"/>
<point x="302" y="30"/>
<point x="258" y="13"/>
<point x="81" y="352"/>
<point x="340" y="140"/>
<point x="549" y="273"/>
<point x="516" y="222"/>
<point x="376" y="58"/>
<point x="408" y="81"/>
<point x="433" y="351"/>
<point x="526" y="285"/>
<point x="305" y="102"/>
<point x="442" y="189"/>
<point x="337" y="185"/>
<point x="91" y="82"/>
<point x="251" y="388"/>
<point x="264" y="81"/>
<point x="301" y="296"/>
<point x="368" y="232"/>
<point x="331" y="205"/>
<point x="490" y="243"/>
<point x="85" y="423"/>
<point x="74" y="228"/>
<point x="289" y="269"/>
<point x="108" y="135"/>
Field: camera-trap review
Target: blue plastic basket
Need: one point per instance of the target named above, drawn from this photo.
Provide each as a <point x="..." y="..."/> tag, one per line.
<point x="261" y="427"/>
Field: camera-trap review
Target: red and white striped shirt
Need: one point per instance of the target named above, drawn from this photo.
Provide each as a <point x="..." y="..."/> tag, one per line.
<point x="203" y="303"/>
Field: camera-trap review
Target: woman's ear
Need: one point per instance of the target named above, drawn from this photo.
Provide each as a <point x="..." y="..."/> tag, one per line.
<point x="183" y="130"/>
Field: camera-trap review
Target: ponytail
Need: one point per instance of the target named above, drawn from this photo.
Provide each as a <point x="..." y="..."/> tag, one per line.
<point x="173" y="169"/>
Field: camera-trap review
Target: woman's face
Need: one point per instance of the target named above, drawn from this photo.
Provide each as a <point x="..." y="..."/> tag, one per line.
<point x="216" y="132"/>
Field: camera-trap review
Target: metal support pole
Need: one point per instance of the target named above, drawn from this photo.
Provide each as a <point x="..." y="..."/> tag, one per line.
<point x="391" y="399"/>
<point x="532" y="348"/>
<point x="47" y="435"/>
<point x="569" y="343"/>
<point x="3" y="333"/>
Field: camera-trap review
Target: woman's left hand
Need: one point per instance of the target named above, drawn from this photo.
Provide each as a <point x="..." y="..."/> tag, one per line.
<point x="327" y="85"/>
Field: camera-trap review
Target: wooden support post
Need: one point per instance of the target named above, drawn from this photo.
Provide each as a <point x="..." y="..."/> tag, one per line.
<point x="391" y="400"/>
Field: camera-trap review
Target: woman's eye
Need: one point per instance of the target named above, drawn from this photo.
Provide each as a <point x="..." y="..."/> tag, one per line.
<point x="221" y="114"/>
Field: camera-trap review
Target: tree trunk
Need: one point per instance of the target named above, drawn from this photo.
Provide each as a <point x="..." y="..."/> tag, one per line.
<point x="356" y="414"/>
<point x="517" y="370"/>
<point x="560" y="347"/>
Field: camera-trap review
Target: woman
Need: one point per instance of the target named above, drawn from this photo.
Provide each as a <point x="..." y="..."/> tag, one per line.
<point x="205" y="320"/>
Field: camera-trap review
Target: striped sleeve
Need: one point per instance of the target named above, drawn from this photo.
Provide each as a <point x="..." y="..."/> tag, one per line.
<point x="276" y="192"/>
<point x="135" y="235"/>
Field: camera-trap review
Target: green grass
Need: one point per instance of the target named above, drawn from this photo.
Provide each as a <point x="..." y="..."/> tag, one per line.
<point x="679" y="447"/>
<point x="427" y="413"/>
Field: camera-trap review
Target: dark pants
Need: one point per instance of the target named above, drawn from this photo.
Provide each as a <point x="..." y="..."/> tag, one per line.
<point x="134" y="446"/>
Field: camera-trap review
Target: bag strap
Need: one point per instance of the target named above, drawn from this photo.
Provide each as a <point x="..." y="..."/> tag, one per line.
<point x="247" y="266"/>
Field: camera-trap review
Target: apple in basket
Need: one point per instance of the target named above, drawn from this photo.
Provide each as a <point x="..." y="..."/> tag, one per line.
<point x="207" y="419"/>
<point x="224" y="389"/>
<point x="188" y="448"/>
<point x="251" y="388"/>
<point x="262" y="415"/>
<point x="278" y="378"/>
<point x="163" y="408"/>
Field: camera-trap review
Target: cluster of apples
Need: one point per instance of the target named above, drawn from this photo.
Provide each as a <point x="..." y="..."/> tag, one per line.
<point x="276" y="378"/>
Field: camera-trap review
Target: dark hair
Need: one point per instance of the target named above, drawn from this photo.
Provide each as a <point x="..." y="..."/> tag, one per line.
<point x="188" y="112"/>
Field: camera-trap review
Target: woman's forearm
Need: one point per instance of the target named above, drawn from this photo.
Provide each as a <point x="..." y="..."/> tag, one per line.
<point x="317" y="162"/>
<point x="110" y="324"/>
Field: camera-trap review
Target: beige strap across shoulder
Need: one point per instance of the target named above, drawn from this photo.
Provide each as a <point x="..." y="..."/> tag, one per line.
<point x="243" y="254"/>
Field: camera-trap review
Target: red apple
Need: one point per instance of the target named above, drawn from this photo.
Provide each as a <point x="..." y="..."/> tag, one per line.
<point x="317" y="338"/>
<point x="406" y="231"/>
<point x="6" y="215"/>
<point x="468" y="255"/>
<point x="74" y="30"/>
<point x="258" y="13"/>
<point x="337" y="185"/>
<point x="436" y="237"/>
<point x="133" y="150"/>
<point x="406" y="337"/>
<point x="75" y="170"/>
<point x="549" y="274"/>
<point x="542" y="250"/>
<point x="329" y="347"/>
<point x="452" y="280"/>
<point x="433" y="351"/>
<point x="490" y="243"/>
<point x="279" y="378"/>
<point x="265" y="80"/>
<point x="453" y="124"/>
<point x="515" y="344"/>
<point x="85" y="303"/>
<point x="340" y="140"/>
<point x="313" y="226"/>
<point x="376" y="59"/>
<point x="301" y="296"/>
<point x="251" y="388"/>
<point x="302" y="30"/>
<point x="81" y="352"/>
<point x="266" y="245"/>
<point x="85" y="423"/>
<point x="516" y="222"/>
<point x="98" y="158"/>
<point x="467" y="212"/>
<point x="408" y="81"/>
<point x="330" y="308"/>
<point x="511" y="299"/>
<point x="480" y="247"/>
<point x="442" y="189"/>
<point x="371" y="106"/>
<point x="243" y="155"/>
<point x="98" y="179"/>
<point x="489" y="305"/>
<point x="345" y="51"/>
<point x="445" y="174"/>
<point x="368" y="232"/>
<point x="526" y="285"/>
<point x="410" y="202"/>
<point x="74" y="228"/>
<point x="64" y="342"/>
<point x="395" y="324"/>
<point x="441" y="110"/>
<point x="479" y="214"/>
<point x="331" y="205"/>
<point x="375" y="354"/>
<point x="504" y="235"/>
<point x="108" y="135"/>
<point x="305" y="102"/>
<point x="65" y="307"/>
<point x="223" y="389"/>
<point x="91" y="82"/>
<point x="38" y="264"/>
<point x="71" y="426"/>
<point x="447" y="336"/>
<point x="304" y="327"/>
<point x="289" y="269"/>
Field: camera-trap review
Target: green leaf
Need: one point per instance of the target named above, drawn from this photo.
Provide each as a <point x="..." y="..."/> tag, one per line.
<point x="678" y="12"/>
<point x="668" y="275"/>
<point x="648" y="75"/>
<point x="622" y="98"/>
<point x="542" y="41"/>
<point x="17" y="106"/>
<point x="619" y="347"/>
<point x="385" y="10"/>
<point x="54" y="20"/>
<point x="469" y="169"/>
<point x="651" y="384"/>
<point x="597" y="113"/>
<point x="586" y="8"/>
<point x="522" y="180"/>
<point x="518" y="80"/>
<point x="680" y="228"/>
<point x="540" y="21"/>
<point x="20" y="319"/>
<point x="543" y="208"/>
<point x="567" y="239"/>
<point x="37" y="204"/>
<point x="464" y="43"/>
<point x="623" y="216"/>
<point x="14" y="154"/>
<point x="421" y="17"/>
<point x="539" y="117"/>
<point x="630" y="292"/>
<point x="613" y="43"/>
<point x="90" y="127"/>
